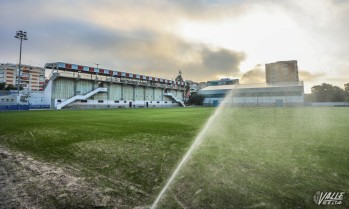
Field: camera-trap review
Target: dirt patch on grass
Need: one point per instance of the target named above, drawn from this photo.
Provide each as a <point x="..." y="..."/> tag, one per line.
<point x="29" y="183"/>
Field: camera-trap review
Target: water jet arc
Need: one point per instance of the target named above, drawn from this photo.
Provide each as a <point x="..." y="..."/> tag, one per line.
<point x="187" y="155"/>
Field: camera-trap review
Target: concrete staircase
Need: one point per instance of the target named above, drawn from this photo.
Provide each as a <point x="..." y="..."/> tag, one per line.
<point x="80" y="97"/>
<point x="168" y="94"/>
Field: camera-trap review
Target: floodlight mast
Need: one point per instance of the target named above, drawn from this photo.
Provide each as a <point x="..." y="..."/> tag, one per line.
<point x="21" y="35"/>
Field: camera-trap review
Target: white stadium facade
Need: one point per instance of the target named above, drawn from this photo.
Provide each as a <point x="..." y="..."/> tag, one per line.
<point x="76" y="86"/>
<point x="262" y="94"/>
<point x="72" y="86"/>
<point x="282" y="88"/>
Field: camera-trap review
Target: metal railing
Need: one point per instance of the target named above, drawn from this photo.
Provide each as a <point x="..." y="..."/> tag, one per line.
<point x="101" y="78"/>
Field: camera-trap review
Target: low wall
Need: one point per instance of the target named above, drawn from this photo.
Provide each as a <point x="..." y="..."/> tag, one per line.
<point x="14" y="107"/>
<point x="328" y="104"/>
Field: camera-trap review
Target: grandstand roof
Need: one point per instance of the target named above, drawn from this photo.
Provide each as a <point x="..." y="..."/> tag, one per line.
<point x="224" y="88"/>
<point x="105" y="72"/>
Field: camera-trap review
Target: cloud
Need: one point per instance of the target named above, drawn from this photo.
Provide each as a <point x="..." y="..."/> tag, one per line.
<point x="164" y="54"/>
<point x="255" y="75"/>
<point x="140" y="36"/>
<point x="222" y="60"/>
<point x="209" y="9"/>
<point x="129" y="36"/>
<point x="308" y="76"/>
<point x="140" y="51"/>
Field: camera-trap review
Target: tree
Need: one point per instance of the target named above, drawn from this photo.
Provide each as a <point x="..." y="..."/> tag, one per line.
<point x="346" y="91"/>
<point x="10" y="87"/>
<point x="346" y="87"/>
<point x="2" y="86"/>
<point x="187" y="87"/>
<point x="327" y="93"/>
<point x="308" y="97"/>
<point x="195" y="99"/>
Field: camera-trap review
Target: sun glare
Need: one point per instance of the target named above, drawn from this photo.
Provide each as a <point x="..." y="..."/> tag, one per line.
<point x="264" y="36"/>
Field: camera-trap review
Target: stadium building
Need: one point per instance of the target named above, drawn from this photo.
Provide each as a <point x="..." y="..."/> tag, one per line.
<point x="77" y="86"/>
<point x="263" y="94"/>
<point x="73" y="86"/>
<point x="282" y="88"/>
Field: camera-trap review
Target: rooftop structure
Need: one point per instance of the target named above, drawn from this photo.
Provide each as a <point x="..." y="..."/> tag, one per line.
<point x="112" y="75"/>
<point x="223" y="81"/>
<point x="77" y="86"/>
<point x="281" y="71"/>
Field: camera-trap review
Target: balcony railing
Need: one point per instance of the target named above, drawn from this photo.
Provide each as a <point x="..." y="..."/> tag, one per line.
<point x="100" y="78"/>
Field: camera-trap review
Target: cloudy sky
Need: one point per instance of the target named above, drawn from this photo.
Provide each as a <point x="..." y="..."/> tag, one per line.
<point x="206" y="39"/>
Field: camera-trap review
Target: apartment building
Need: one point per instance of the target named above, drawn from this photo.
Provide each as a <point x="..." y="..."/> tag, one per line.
<point x="282" y="71"/>
<point x="32" y="77"/>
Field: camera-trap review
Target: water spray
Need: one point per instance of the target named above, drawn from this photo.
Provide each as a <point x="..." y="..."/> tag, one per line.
<point x="188" y="154"/>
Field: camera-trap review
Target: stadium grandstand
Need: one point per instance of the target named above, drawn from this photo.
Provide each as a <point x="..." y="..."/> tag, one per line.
<point x="72" y="86"/>
<point x="78" y="87"/>
<point x="260" y="94"/>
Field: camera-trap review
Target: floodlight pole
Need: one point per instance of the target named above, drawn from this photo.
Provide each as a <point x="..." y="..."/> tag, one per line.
<point x="20" y="35"/>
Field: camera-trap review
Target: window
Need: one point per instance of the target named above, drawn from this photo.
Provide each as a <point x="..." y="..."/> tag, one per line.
<point x="158" y="102"/>
<point x="116" y="101"/>
<point x="83" y="101"/>
<point x="100" y="101"/>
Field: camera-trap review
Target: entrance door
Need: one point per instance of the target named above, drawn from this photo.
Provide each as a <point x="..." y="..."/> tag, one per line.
<point x="130" y="105"/>
<point x="146" y="104"/>
<point x="215" y="103"/>
<point x="279" y="103"/>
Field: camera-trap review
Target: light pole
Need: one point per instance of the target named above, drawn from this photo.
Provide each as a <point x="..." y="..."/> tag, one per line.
<point x="21" y="35"/>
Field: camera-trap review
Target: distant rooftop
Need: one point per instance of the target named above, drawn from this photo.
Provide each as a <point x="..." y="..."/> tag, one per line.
<point x="279" y="62"/>
<point x="253" y="85"/>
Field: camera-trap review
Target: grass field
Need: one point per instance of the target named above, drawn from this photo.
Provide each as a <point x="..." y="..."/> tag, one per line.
<point x="250" y="158"/>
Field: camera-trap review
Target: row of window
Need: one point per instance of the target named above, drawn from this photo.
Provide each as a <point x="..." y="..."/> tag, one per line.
<point x="116" y="101"/>
<point x="7" y="100"/>
<point x="268" y="94"/>
<point x="260" y="94"/>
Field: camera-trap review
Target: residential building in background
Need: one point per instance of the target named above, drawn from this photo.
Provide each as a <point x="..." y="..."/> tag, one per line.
<point x="195" y="86"/>
<point x="223" y="81"/>
<point x="282" y="71"/>
<point x="32" y="77"/>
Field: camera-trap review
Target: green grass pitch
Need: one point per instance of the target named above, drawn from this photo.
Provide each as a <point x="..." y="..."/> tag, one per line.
<point x="250" y="158"/>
